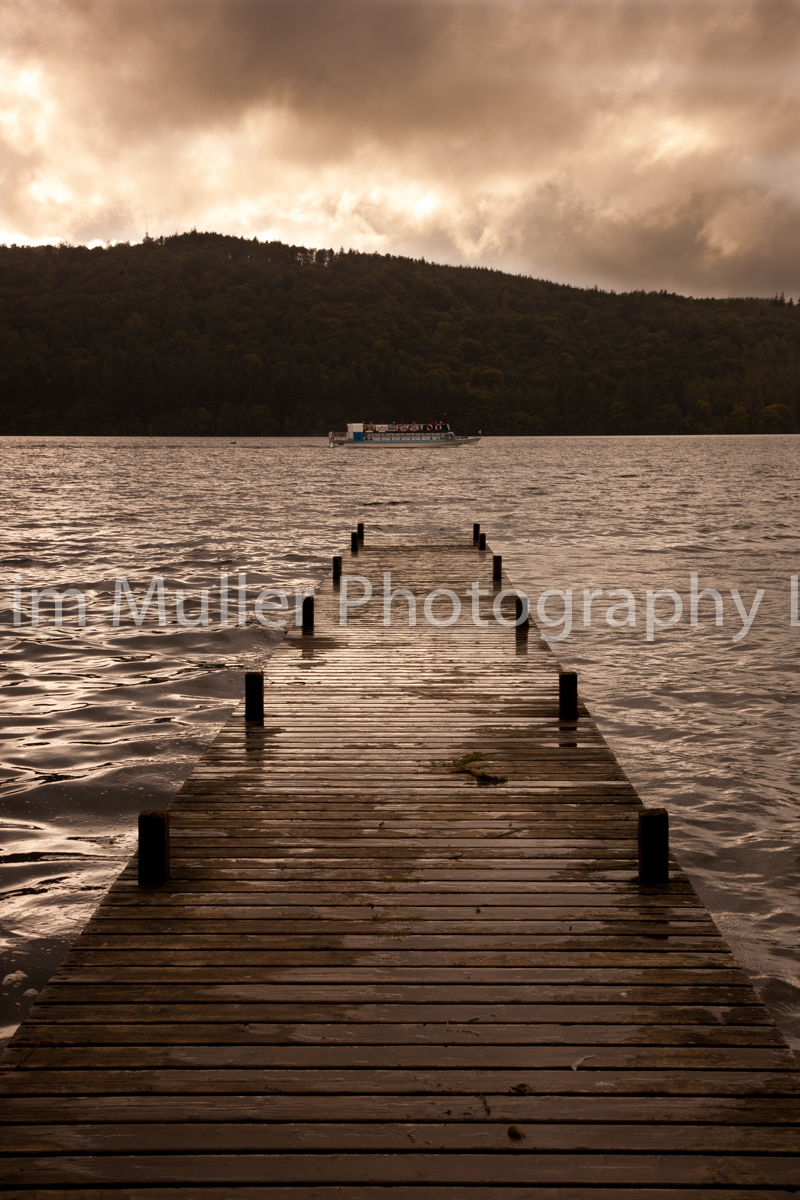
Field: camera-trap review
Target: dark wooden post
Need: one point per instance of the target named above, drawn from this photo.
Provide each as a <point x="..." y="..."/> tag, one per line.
<point x="497" y="566"/>
<point x="360" y="531"/>
<point x="481" y="541"/>
<point x="518" y="610"/>
<point x="354" y="542"/>
<point x="476" y="533"/>
<point x="153" y="846"/>
<point x="254" y="696"/>
<point x="337" y="566"/>
<point x="308" y="613"/>
<point x="568" y="696"/>
<point x="654" y="846"/>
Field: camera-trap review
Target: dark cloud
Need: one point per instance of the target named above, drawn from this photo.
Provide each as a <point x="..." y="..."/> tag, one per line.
<point x="625" y="142"/>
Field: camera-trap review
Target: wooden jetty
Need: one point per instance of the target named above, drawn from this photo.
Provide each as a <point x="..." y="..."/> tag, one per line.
<point x="404" y="950"/>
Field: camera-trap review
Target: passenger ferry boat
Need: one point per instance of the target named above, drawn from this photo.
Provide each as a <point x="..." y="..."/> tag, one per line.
<point x="433" y="437"/>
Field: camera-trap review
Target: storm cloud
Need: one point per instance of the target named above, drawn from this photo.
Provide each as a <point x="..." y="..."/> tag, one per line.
<point x="627" y="143"/>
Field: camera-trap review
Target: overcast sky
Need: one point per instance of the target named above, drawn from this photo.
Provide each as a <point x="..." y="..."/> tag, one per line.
<point x="624" y="143"/>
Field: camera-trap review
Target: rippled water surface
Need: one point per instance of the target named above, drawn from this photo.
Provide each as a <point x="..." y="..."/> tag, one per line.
<point x="99" y="722"/>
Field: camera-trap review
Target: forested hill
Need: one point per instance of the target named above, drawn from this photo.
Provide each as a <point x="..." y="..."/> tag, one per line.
<point x="205" y="334"/>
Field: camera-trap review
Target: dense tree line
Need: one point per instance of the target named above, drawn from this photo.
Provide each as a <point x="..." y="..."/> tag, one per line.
<point x="205" y="334"/>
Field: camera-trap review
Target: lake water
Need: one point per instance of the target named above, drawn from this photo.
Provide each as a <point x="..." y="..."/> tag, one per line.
<point x="102" y="721"/>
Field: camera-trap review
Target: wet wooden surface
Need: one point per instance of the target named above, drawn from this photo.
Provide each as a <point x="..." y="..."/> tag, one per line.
<point x="382" y="969"/>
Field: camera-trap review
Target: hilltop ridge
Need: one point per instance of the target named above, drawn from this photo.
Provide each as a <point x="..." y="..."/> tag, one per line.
<point x="202" y="333"/>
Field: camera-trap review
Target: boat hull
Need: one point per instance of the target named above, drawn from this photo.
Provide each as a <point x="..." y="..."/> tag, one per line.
<point x="421" y="444"/>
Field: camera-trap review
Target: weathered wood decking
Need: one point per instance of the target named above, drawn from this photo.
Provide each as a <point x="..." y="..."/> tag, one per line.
<point x="372" y="974"/>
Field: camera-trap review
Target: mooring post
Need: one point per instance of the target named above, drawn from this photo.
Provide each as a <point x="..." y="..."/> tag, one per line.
<point x="337" y="567"/>
<point x="254" y="696"/>
<point x="360" y="531"/>
<point x="354" y="542"/>
<point x="654" y="846"/>
<point x="153" y="846"/>
<point x="568" y="696"/>
<point x="519" y="609"/>
<point x="497" y="566"/>
<point x="476" y="533"/>
<point x="481" y="541"/>
<point x="308" y="613"/>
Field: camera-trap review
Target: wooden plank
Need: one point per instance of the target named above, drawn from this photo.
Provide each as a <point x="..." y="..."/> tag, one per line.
<point x="723" y="1049"/>
<point x="298" y="907"/>
<point x="663" y="1076"/>
<point x="378" y="1107"/>
<point x="220" y="936"/>
<point x="394" y="1136"/>
<point x="443" y="1012"/>
<point x="410" y="1192"/>
<point x="470" y="1033"/>
<point x="147" y="966"/>
<point x="124" y="951"/>
<point x="525" y="999"/>
<point x="504" y="1167"/>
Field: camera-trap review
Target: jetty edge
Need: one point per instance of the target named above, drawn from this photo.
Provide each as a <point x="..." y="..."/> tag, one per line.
<point x="404" y="943"/>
